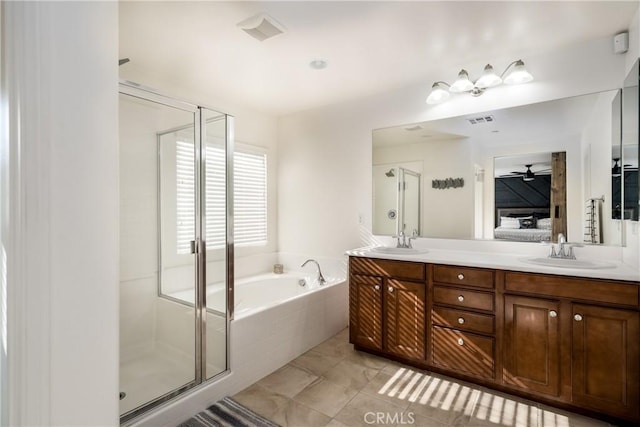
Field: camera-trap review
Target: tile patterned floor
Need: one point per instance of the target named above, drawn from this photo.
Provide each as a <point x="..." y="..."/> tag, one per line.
<point x="335" y="386"/>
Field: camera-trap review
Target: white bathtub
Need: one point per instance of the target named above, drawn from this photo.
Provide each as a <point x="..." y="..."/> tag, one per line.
<point x="276" y="320"/>
<point x="257" y="293"/>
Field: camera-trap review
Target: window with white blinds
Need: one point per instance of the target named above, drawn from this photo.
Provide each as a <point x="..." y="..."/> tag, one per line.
<point x="185" y="193"/>
<point x="250" y="197"/>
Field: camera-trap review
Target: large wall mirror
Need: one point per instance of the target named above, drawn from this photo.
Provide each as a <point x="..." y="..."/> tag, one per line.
<point x="625" y="168"/>
<point x="547" y="168"/>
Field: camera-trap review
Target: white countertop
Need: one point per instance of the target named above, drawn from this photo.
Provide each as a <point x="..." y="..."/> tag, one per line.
<point x="502" y="261"/>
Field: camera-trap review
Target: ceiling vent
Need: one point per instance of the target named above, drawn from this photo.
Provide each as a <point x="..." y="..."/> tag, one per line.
<point x="413" y="128"/>
<point x="482" y="119"/>
<point x="262" y="27"/>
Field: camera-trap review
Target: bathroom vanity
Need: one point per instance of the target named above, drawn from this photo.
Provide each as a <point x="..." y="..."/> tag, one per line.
<point x="565" y="340"/>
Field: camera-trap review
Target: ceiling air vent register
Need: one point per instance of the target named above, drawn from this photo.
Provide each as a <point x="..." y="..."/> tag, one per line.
<point x="261" y="27"/>
<point x="482" y="119"/>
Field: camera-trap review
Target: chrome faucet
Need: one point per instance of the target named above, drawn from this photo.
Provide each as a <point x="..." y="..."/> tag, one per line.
<point x="406" y="241"/>
<point x="321" y="278"/>
<point x="562" y="252"/>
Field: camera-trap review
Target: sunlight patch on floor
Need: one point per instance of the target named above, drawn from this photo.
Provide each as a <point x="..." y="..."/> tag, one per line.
<point x="439" y="393"/>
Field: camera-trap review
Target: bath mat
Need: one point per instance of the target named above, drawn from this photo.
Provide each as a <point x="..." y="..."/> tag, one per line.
<point x="227" y="413"/>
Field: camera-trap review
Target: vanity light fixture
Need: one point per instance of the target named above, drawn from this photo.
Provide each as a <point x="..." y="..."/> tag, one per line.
<point x="515" y="73"/>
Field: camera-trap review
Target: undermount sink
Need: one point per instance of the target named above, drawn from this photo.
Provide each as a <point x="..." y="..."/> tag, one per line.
<point x="569" y="263"/>
<point x="398" y="251"/>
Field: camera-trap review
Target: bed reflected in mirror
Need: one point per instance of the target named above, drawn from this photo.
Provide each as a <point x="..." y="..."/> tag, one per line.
<point x="523" y="198"/>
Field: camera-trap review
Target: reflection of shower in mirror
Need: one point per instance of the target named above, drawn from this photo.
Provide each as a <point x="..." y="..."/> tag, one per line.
<point x="397" y="201"/>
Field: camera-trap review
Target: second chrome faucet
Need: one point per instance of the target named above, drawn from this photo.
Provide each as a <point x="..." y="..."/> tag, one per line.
<point x="321" y="279"/>
<point x="562" y="252"/>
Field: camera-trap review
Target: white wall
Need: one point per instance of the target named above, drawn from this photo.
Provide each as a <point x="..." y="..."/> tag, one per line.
<point x="325" y="154"/>
<point x="62" y="243"/>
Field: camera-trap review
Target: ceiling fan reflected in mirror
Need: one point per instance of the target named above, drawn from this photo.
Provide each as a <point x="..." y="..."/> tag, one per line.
<point x="527" y="175"/>
<point x="616" y="170"/>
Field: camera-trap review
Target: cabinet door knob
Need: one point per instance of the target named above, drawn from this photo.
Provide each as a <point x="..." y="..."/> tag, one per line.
<point x="578" y="318"/>
<point x="460" y="341"/>
<point x="460" y="298"/>
<point x="553" y="313"/>
<point x="460" y="276"/>
<point x="461" y="320"/>
<point x="377" y="287"/>
<point x="390" y="288"/>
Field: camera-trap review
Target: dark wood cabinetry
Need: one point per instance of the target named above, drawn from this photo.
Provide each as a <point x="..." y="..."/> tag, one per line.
<point x="365" y="311"/>
<point x="405" y="322"/>
<point x="386" y="313"/>
<point x="606" y="359"/>
<point x="462" y="318"/>
<point x="568" y="341"/>
<point x="532" y="344"/>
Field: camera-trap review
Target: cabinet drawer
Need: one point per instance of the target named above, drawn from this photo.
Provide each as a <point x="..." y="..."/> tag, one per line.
<point x="573" y="287"/>
<point x="461" y="319"/>
<point x="463" y="298"/>
<point x="387" y="268"/>
<point x="463" y="276"/>
<point x="463" y="352"/>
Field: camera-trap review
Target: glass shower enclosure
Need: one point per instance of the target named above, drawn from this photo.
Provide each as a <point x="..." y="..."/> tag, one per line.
<point x="176" y="246"/>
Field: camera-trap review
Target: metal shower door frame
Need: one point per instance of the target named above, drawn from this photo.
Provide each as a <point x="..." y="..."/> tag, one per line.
<point x="200" y="377"/>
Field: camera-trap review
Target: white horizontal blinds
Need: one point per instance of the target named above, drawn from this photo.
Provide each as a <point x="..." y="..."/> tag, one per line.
<point x="250" y="198"/>
<point x="185" y="195"/>
<point x="215" y="205"/>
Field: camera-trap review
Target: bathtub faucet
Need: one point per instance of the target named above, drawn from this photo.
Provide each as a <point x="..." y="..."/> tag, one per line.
<point x="321" y="279"/>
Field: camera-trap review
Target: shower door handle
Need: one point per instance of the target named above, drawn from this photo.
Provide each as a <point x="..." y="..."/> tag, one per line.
<point x="192" y="246"/>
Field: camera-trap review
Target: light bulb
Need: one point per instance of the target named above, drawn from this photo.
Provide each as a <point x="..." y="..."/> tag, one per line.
<point x="438" y="94"/>
<point x="463" y="84"/>
<point x="518" y="75"/>
<point x="489" y="78"/>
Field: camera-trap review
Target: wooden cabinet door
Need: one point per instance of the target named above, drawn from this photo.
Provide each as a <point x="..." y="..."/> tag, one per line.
<point x="365" y="311"/>
<point x="405" y="318"/>
<point x="606" y="359"/>
<point x="532" y="344"/>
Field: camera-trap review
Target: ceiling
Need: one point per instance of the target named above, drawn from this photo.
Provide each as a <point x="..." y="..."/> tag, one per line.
<point x="540" y="121"/>
<point x="370" y="47"/>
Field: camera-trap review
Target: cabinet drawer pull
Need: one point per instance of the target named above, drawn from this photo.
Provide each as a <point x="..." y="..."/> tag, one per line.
<point x="390" y="288"/>
<point x="461" y="320"/>
<point x="460" y="298"/>
<point x="460" y="276"/>
<point x="578" y="318"/>
<point x="553" y="313"/>
<point x="460" y="341"/>
<point x="377" y="287"/>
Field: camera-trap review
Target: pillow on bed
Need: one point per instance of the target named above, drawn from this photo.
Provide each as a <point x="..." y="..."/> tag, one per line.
<point x="520" y="215"/>
<point x="527" y="222"/>
<point x="544" y="224"/>
<point x="512" y="223"/>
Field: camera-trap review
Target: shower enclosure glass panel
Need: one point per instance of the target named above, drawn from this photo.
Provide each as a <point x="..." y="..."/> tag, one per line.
<point x="214" y="135"/>
<point x="397" y="199"/>
<point x="175" y="247"/>
<point x="157" y="338"/>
